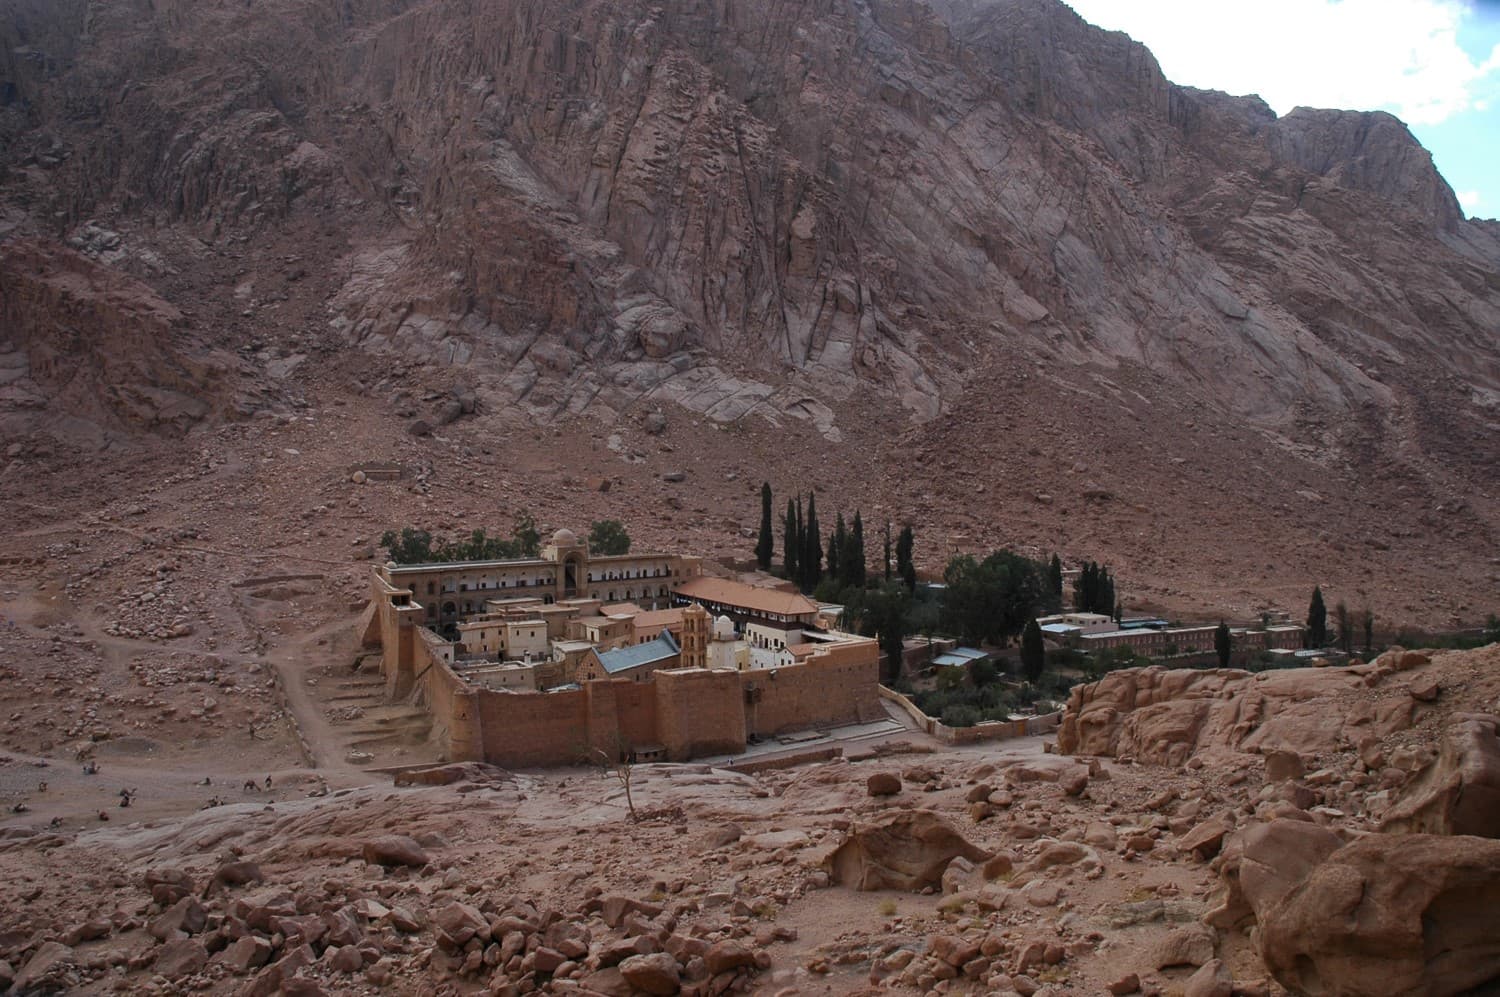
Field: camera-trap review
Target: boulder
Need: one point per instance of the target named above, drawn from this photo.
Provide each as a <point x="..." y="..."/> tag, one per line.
<point x="394" y="850"/>
<point x="883" y="784"/>
<point x="653" y="974"/>
<point x="244" y="954"/>
<point x="1282" y="765"/>
<point x="725" y="955"/>
<point x="186" y="917"/>
<point x="1390" y="914"/>
<point x="51" y="969"/>
<point x="1127" y="984"/>
<point x="1263" y="862"/>
<point x="903" y="851"/>
<point x="182" y="957"/>
<point x="1459" y="793"/>
<point x="1212" y="980"/>
<point x="1190" y="945"/>
<point x="1207" y="838"/>
<point x="461" y="922"/>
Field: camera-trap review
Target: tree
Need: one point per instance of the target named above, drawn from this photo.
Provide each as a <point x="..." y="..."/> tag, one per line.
<point x="411" y="546"/>
<point x="1033" y="652"/>
<point x="607" y="537"/>
<point x="623" y="770"/>
<point x="1222" y="644"/>
<point x="791" y="540"/>
<point x="884" y="616"/>
<point x="1369" y="621"/>
<point x="1094" y="590"/>
<point x="887" y="550"/>
<point x="1055" y="581"/>
<point x="1345" y="626"/>
<point x="528" y="540"/>
<point x="838" y="545"/>
<point x="765" y="545"/>
<point x="812" y="547"/>
<point x="1317" y="620"/>
<point x="854" y="560"/>
<point x="904" y="566"/>
<point x="991" y="600"/>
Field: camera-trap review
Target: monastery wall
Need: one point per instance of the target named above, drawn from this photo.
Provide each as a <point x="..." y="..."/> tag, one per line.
<point x="700" y="712"/>
<point x="526" y="730"/>
<point x="840" y="686"/>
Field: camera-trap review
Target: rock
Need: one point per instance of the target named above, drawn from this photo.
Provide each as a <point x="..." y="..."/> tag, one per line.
<point x="1211" y="980"/>
<point x="1390" y="914"/>
<point x="1101" y="835"/>
<point x="883" y="784"/>
<point x="1423" y="690"/>
<point x="615" y="909"/>
<point x="236" y="874"/>
<point x="1282" y="765"/>
<point x="653" y="974"/>
<point x="461" y="922"/>
<point x="674" y="476"/>
<point x="88" y="931"/>
<point x="51" y="969"/>
<point x="168" y="884"/>
<point x="726" y="955"/>
<point x="186" y="917"/>
<point x="344" y="959"/>
<point x="1127" y="984"/>
<point x="1074" y="783"/>
<point x="394" y="850"/>
<point x="902" y="851"/>
<point x="1190" y="945"/>
<point x="1060" y="853"/>
<point x="245" y="953"/>
<point x="1206" y="839"/>
<point x="1459" y="793"/>
<point x="1262" y="862"/>
<point x="419" y="427"/>
<point x="181" y="957"/>
<point x="655" y="423"/>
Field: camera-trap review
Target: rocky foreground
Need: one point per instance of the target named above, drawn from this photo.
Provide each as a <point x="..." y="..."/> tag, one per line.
<point x="1321" y="831"/>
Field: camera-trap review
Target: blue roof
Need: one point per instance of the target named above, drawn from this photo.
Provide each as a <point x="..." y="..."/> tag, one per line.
<point x="969" y="653"/>
<point x="623" y="659"/>
<point x="1059" y="628"/>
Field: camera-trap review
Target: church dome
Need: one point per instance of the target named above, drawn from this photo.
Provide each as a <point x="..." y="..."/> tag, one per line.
<point x="565" y="538"/>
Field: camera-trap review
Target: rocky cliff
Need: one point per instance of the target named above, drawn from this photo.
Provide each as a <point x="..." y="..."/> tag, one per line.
<point x="791" y="212"/>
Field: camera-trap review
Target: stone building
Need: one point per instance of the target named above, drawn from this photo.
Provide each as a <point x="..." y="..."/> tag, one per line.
<point x="450" y="593"/>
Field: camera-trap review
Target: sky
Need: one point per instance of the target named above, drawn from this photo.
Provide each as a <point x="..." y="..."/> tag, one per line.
<point x="1435" y="64"/>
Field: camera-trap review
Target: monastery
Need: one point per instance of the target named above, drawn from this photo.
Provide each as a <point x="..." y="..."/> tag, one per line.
<point x="552" y="660"/>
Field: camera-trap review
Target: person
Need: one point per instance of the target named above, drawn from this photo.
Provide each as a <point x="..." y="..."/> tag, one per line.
<point x="41" y="787"/>
<point x="268" y="782"/>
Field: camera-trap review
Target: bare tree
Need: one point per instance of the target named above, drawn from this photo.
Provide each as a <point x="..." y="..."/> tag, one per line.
<point x="622" y="768"/>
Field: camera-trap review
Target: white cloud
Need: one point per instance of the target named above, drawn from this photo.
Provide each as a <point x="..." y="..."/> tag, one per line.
<point x="1470" y="199"/>
<point x="1398" y="55"/>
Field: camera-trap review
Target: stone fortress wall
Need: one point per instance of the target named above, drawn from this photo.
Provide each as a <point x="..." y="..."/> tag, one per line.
<point x="682" y="713"/>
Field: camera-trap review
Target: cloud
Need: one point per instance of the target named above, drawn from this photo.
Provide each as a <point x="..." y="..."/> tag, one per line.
<point x="1403" y="56"/>
<point x="1470" y="199"/>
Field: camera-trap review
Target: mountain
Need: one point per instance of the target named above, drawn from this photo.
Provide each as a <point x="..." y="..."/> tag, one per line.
<point x="965" y="239"/>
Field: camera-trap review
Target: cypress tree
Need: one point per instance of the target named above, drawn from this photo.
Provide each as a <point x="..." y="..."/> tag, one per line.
<point x="838" y="545"/>
<point x="1033" y="652"/>
<point x="1345" y="625"/>
<point x="1317" y="620"/>
<point x="904" y="565"/>
<point x="856" y="562"/>
<point x="765" y="545"/>
<point x="812" y="546"/>
<point x="887" y="550"/>
<point x="1222" y="644"/>
<point x="1055" y="577"/>
<point x="791" y="542"/>
<point x="1369" y="619"/>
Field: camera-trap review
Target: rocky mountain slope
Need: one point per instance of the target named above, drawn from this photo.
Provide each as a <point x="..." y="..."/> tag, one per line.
<point x="976" y="238"/>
